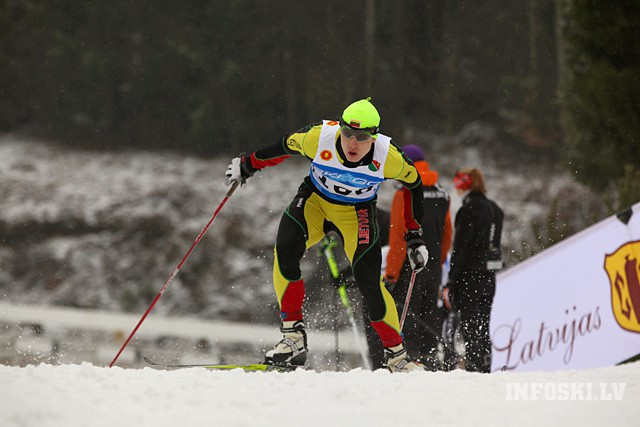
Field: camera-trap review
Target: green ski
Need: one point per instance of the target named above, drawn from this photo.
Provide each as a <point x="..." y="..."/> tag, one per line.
<point x="250" y="367"/>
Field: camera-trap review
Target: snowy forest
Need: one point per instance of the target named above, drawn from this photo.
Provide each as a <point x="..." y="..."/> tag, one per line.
<point x="554" y="78"/>
<point x="119" y="119"/>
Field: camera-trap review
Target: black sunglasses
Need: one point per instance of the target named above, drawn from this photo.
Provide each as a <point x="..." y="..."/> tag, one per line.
<point x="359" y="135"/>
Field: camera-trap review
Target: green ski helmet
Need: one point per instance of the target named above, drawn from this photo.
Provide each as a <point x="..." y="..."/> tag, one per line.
<point x="361" y="115"/>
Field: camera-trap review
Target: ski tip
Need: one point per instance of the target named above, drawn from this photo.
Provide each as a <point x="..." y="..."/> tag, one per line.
<point x="149" y="361"/>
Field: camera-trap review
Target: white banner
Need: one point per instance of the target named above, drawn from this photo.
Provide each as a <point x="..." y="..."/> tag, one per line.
<point x="575" y="305"/>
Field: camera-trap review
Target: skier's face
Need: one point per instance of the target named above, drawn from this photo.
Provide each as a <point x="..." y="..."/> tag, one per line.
<point x="355" y="150"/>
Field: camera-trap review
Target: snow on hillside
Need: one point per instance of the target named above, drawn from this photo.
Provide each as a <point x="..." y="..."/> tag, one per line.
<point x="88" y="396"/>
<point x="105" y="229"/>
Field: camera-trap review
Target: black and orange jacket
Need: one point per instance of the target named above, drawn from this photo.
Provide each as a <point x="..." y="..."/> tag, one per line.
<point x="436" y="222"/>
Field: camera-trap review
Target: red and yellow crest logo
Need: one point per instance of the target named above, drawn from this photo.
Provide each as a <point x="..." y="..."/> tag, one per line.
<point x="326" y="155"/>
<point x="623" y="268"/>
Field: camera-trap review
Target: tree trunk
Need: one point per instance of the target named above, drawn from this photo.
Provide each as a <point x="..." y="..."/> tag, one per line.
<point x="532" y="17"/>
<point x="450" y="64"/>
<point x="560" y="43"/>
<point x="370" y="30"/>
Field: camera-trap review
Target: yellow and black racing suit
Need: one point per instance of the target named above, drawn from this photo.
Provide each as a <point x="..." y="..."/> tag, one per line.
<point x="342" y="193"/>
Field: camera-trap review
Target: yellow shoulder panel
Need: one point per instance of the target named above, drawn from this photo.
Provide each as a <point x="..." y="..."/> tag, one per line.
<point x="305" y="143"/>
<point x="397" y="168"/>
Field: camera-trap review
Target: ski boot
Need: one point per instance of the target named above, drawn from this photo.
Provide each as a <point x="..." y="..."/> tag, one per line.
<point x="292" y="349"/>
<point x="397" y="360"/>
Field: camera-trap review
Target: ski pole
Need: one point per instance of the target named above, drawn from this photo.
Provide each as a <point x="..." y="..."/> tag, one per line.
<point x="449" y="326"/>
<point x="342" y="290"/>
<point x="405" y="309"/>
<point x="175" y="272"/>
<point x="327" y="249"/>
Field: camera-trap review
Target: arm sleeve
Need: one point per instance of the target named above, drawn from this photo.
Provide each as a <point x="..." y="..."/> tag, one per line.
<point x="303" y="142"/>
<point x="397" y="244"/>
<point x="462" y="243"/>
<point x="446" y="237"/>
<point x="400" y="168"/>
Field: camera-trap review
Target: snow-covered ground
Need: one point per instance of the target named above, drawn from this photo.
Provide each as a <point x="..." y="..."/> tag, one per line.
<point x="103" y="230"/>
<point x="84" y="395"/>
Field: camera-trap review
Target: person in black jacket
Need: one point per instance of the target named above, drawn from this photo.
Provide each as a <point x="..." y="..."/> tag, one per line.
<point x="475" y="259"/>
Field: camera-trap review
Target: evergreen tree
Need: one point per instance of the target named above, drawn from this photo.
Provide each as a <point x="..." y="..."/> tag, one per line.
<point x="601" y="90"/>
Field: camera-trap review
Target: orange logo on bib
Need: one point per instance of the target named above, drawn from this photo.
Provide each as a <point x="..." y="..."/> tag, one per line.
<point x="326" y="155"/>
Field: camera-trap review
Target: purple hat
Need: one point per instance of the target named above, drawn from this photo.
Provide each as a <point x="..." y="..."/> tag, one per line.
<point x="413" y="152"/>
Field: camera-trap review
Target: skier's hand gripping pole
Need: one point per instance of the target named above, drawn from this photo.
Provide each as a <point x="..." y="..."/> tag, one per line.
<point x="239" y="170"/>
<point x="177" y="269"/>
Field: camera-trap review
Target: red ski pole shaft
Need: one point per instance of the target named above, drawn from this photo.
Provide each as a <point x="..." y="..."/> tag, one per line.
<point x="175" y="272"/>
<point x="405" y="309"/>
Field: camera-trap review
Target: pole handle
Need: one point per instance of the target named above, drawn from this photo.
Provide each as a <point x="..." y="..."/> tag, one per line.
<point x="233" y="188"/>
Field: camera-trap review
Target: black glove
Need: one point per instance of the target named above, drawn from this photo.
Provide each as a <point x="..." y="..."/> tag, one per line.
<point x="239" y="170"/>
<point x="416" y="250"/>
<point x="448" y="297"/>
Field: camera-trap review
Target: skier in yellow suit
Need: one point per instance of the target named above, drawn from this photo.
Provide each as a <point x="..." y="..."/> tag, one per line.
<point x="349" y="160"/>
